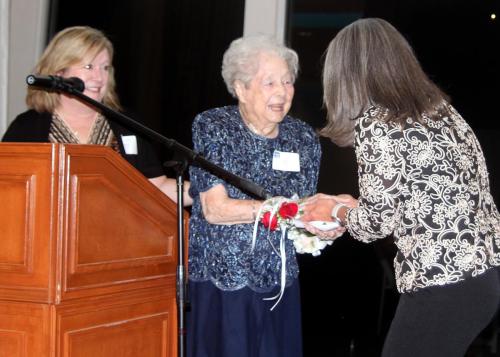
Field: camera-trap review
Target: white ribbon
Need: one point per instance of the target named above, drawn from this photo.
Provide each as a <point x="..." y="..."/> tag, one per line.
<point x="283" y="269"/>
<point x="282" y="251"/>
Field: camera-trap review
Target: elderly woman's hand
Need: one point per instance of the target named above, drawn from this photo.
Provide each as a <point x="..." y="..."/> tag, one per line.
<point x="318" y="208"/>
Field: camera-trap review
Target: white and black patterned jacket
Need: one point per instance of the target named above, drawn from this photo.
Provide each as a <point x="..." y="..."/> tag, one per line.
<point x="428" y="186"/>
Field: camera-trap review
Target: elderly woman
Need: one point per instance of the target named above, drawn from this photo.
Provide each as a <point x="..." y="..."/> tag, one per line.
<point x="86" y="53"/>
<point x="423" y="179"/>
<point x="256" y="139"/>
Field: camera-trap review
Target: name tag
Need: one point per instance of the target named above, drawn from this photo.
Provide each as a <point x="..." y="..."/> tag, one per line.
<point x="130" y="144"/>
<point x="286" y="161"/>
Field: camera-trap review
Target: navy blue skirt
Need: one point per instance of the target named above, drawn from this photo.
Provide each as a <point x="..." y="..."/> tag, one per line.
<point x="240" y="324"/>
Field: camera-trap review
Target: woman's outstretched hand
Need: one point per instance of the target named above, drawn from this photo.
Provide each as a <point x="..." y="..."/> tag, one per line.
<point x="319" y="208"/>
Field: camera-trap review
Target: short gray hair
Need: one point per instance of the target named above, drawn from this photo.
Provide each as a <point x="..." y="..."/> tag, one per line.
<point x="240" y="61"/>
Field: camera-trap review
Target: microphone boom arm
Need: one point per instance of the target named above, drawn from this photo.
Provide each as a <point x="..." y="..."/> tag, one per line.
<point x="190" y="155"/>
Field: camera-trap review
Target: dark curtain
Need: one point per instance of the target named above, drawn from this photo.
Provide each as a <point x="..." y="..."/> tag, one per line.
<point x="168" y="54"/>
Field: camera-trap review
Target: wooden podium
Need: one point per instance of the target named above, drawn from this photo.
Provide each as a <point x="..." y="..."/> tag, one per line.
<point x="88" y="255"/>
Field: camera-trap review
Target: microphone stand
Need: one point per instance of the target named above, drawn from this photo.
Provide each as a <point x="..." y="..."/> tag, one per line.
<point x="189" y="157"/>
<point x="179" y="168"/>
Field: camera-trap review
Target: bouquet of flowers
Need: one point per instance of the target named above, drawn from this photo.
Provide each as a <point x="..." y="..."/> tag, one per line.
<point x="280" y="213"/>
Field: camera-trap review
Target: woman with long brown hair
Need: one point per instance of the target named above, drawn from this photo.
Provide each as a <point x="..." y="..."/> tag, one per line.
<point x="422" y="179"/>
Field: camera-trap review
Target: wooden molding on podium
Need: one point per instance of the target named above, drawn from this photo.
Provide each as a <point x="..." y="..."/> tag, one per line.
<point x="88" y="254"/>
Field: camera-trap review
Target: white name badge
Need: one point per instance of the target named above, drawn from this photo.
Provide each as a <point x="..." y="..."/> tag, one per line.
<point x="130" y="144"/>
<point x="286" y="161"/>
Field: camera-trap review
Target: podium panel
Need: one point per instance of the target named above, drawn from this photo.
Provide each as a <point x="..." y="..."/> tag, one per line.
<point x="121" y="233"/>
<point x="27" y="188"/>
<point x="24" y="329"/>
<point x="88" y="259"/>
<point x="142" y="323"/>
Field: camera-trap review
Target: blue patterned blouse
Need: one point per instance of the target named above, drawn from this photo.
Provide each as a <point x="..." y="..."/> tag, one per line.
<point x="222" y="253"/>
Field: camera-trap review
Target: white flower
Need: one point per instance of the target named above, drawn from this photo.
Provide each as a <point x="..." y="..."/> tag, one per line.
<point x="439" y="279"/>
<point x="304" y="242"/>
<point x="405" y="281"/>
<point x="422" y="154"/>
<point x="372" y="188"/>
<point x="464" y="157"/>
<point x="405" y="245"/>
<point x="418" y="205"/>
<point x="465" y="257"/>
<point x="382" y="144"/>
<point x="462" y="204"/>
<point x="430" y="251"/>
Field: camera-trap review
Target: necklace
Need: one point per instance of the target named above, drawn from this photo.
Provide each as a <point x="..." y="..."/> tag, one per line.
<point x="253" y="129"/>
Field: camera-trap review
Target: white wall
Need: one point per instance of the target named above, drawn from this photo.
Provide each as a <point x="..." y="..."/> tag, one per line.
<point x="265" y="16"/>
<point x="4" y="61"/>
<point x="23" y="26"/>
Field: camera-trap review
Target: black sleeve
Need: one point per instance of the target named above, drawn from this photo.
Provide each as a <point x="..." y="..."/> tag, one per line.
<point x="32" y="126"/>
<point x="29" y="126"/>
<point x="146" y="161"/>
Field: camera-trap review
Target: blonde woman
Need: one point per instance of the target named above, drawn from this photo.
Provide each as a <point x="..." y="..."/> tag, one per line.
<point x="86" y="53"/>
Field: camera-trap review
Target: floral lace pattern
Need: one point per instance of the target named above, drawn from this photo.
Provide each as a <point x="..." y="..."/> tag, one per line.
<point x="428" y="186"/>
<point x="223" y="253"/>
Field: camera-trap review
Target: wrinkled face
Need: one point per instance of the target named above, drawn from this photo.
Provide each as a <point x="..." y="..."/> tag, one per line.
<point x="94" y="72"/>
<point x="268" y="97"/>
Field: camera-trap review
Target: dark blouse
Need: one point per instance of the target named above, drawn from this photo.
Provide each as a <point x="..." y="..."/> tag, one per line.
<point x="222" y="253"/>
<point x="32" y="126"/>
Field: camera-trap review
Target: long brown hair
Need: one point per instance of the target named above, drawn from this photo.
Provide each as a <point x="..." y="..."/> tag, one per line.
<point x="370" y="63"/>
<point x="68" y="47"/>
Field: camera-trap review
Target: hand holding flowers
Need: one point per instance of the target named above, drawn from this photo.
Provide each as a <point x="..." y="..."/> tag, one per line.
<point x="279" y="213"/>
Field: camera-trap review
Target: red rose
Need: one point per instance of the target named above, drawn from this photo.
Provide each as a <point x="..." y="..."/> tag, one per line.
<point x="273" y="224"/>
<point x="288" y="210"/>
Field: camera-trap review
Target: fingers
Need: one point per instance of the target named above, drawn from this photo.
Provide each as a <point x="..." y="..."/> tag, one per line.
<point x="329" y="235"/>
<point x="318" y="196"/>
<point x="342" y="198"/>
<point x="319" y="210"/>
<point x="347" y="200"/>
<point x="319" y="206"/>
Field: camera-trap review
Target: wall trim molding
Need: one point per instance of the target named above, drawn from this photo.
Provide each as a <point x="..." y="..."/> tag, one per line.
<point x="265" y="16"/>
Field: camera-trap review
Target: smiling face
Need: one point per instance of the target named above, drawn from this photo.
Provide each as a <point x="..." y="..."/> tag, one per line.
<point x="94" y="72"/>
<point x="267" y="98"/>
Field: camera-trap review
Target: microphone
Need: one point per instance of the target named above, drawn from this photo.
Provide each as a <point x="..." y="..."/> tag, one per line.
<point x="56" y="83"/>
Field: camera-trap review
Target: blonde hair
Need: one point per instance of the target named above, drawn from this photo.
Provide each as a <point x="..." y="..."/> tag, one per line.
<point x="69" y="47"/>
